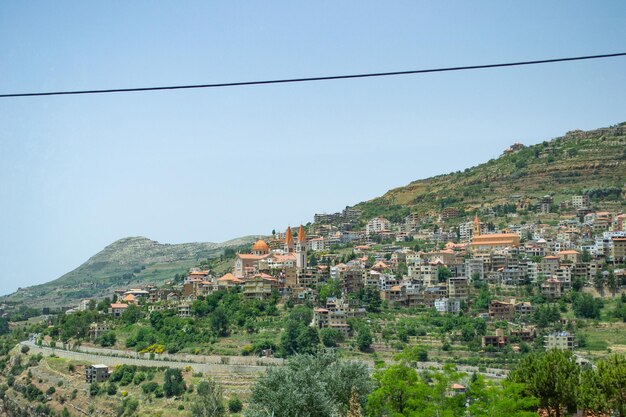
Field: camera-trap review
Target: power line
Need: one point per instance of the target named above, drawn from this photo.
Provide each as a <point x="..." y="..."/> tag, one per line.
<point x="299" y="80"/>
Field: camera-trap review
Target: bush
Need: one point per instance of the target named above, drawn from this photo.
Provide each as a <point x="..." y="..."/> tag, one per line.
<point x="111" y="388"/>
<point x="235" y="405"/>
<point x="149" y="387"/>
<point x="94" y="389"/>
<point x="51" y="391"/>
<point x="25" y="349"/>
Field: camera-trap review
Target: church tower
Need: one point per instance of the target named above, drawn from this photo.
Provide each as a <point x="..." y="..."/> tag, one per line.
<point x="301" y="249"/>
<point x="476" y="231"/>
<point x="289" y="244"/>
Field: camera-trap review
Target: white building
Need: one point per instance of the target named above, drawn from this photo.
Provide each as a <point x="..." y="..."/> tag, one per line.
<point x="377" y="225"/>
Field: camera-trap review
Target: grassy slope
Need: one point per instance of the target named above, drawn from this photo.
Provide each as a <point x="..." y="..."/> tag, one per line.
<point x="563" y="166"/>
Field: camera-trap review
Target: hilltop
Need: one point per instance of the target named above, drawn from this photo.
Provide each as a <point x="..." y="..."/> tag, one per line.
<point x="131" y="261"/>
<point x="592" y="162"/>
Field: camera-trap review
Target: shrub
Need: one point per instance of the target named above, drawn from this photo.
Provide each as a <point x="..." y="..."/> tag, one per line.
<point x="235" y="405"/>
<point x="111" y="388"/>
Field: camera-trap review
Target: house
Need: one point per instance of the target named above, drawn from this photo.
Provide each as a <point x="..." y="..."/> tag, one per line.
<point x="560" y="340"/>
<point x="183" y="310"/>
<point x="96" y="373"/>
<point x="228" y="281"/>
<point x="260" y="287"/>
<point x="501" y="310"/>
<point x="448" y="305"/>
<point x="377" y="225"/>
<point x="552" y="288"/>
<point x="458" y="288"/>
<point x="499" y="340"/>
<point x="336" y="315"/>
<point x="116" y="309"/>
<point x="97" y="329"/>
<point x="569" y="256"/>
<point x="618" y="250"/>
<point x="580" y="201"/>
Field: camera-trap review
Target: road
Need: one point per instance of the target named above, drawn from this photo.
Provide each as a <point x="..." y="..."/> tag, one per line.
<point x="199" y="363"/>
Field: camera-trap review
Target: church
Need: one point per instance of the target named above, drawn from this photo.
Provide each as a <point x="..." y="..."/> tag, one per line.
<point x="293" y="255"/>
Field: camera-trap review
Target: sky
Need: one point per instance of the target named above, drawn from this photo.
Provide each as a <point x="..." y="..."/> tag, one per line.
<point x="79" y="172"/>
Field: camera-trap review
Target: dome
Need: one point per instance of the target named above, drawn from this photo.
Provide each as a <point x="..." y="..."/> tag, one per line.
<point x="260" y="246"/>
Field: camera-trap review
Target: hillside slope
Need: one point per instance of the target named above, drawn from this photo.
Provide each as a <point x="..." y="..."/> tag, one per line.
<point x="592" y="161"/>
<point x="131" y="261"/>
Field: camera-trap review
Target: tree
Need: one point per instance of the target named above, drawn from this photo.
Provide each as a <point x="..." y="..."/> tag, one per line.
<point x="598" y="281"/>
<point x="219" y="322"/>
<point x="552" y="377"/>
<point x="107" y="339"/>
<point x="209" y="401"/>
<point x="604" y="390"/>
<point x="331" y="337"/>
<point x="505" y="400"/>
<point x="364" y="338"/>
<point x="330" y="289"/>
<point x="586" y="306"/>
<point x="612" y="282"/>
<point x="309" y="386"/>
<point x="131" y="315"/>
<point x="128" y="407"/>
<point x="173" y="384"/>
<point x="4" y="326"/>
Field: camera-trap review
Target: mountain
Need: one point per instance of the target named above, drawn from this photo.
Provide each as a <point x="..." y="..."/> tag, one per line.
<point x="128" y="262"/>
<point x="592" y="162"/>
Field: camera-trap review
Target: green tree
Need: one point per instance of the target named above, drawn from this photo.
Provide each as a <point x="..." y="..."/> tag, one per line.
<point x="309" y="386"/>
<point x="364" y="338"/>
<point x="603" y="390"/>
<point x="494" y="400"/>
<point x="331" y="337"/>
<point x="131" y="315"/>
<point x="612" y="282"/>
<point x="219" y="322"/>
<point x="599" y="281"/>
<point x="209" y="401"/>
<point x="128" y="407"/>
<point x="173" y="384"/>
<point x="552" y="377"/>
<point x="330" y="289"/>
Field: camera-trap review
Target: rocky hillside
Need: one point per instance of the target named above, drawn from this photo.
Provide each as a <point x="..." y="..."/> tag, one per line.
<point x="132" y="261"/>
<point x="591" y="162"/>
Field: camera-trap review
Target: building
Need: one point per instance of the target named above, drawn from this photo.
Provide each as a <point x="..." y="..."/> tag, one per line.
<point x="501" y="310"/>
<point x="560" y="340"/>
<point x="260" y="287"/>
<point x="492" y="242"/>
<point x="117" y="309"/>
<point x="458" y="288"/>
<point x="580" y="201"/>
<point x="448" y="305"/>
<point x="552" y="288"/>
<point x="96" y="373"/>
<point x="377" y="225"/>
<point x="546" y="204"/>
<point x="97" y="329"/>
<point x="618" y="250"/>
<point x="499" y="340"/>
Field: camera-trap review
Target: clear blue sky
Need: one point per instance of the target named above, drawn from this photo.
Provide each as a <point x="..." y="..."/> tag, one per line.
<point x="79" y="172"/>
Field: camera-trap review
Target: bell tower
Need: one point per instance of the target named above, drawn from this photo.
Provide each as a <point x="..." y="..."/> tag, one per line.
<point x="301" y="259"/>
